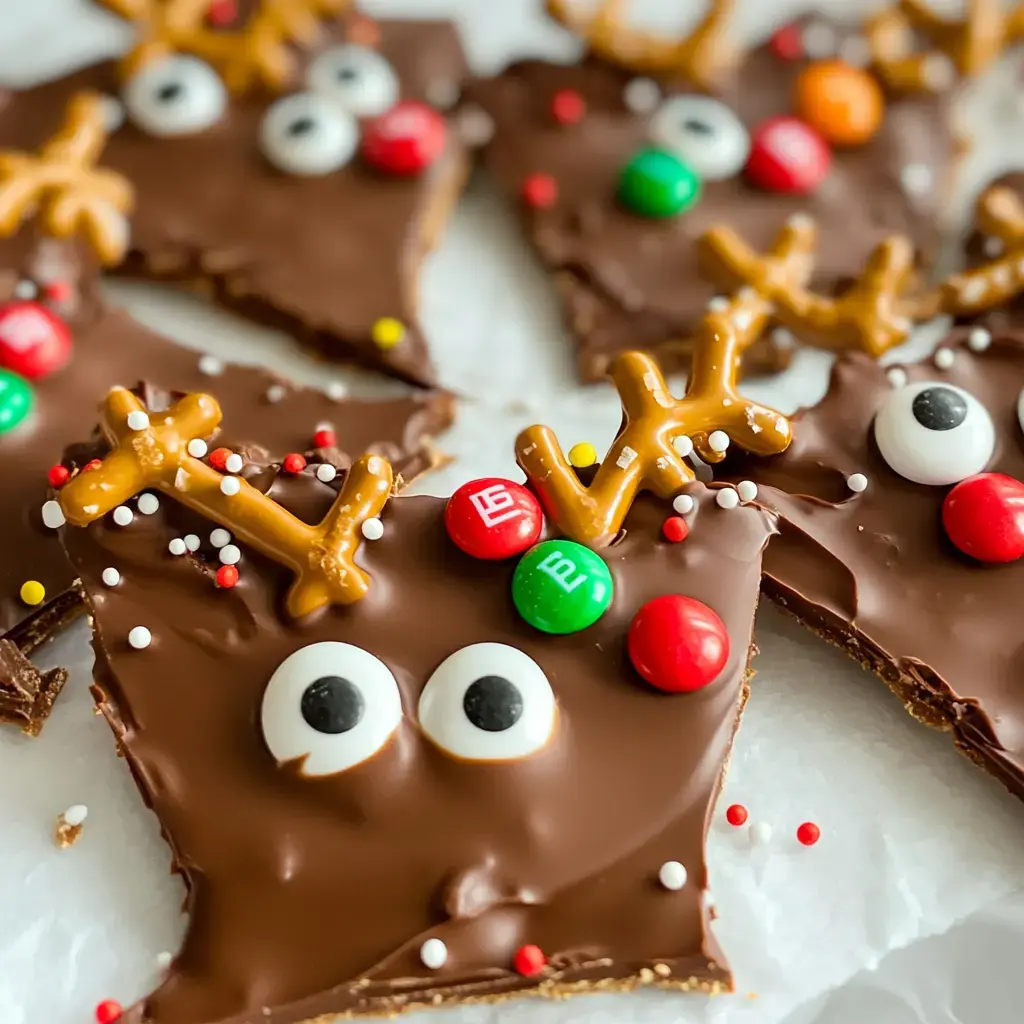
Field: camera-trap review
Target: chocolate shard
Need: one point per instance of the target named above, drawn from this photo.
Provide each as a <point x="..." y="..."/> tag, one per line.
<point x="26" y="693"/>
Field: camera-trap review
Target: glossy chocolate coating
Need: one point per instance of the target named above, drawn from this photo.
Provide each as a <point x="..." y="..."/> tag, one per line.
<point x="313" y="896"/>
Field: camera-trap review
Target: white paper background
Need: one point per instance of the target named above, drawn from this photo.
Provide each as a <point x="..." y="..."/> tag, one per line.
<point x="919" y="872"/>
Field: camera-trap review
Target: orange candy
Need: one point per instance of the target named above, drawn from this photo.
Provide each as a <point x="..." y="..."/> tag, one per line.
<point x="844" y="103"/>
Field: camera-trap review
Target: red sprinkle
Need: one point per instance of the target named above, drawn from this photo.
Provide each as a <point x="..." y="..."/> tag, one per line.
<point x="736" y="814"/>
<point x="219" y="458"/>
<point x="58" y="291"/>
<point x="787" y="43"/>
<point x="540" y="191"/>
<point x="91" y="465"/>
<point x="58" y="476"/>
<point x="222" y="13"/>
<point x="675" y="529"/>
<point x="227" y="576"/>
<point x="529" y="961"/>
<point x="324" y="439"/>
<point x="108" y="1011"/>
<point x="293" y="463"/>
<point x="808" y="833"/>
<point x="568" y="106"/>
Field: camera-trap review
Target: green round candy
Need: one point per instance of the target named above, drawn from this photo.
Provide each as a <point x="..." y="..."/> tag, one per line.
<point x="561" y="587"/>
<point x="656" y="183"/>
<point x="16" y="400"/>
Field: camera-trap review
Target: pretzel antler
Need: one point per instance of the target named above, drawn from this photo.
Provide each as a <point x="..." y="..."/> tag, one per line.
<point x="999" y="214"/>
<point x="321" y="556"/>
<point x="865" y="316"/>
<point x="699" y="58"/>
<point x="260" y="52"/>
<point x="966" y="47"/>
<point x="63" y="187"/>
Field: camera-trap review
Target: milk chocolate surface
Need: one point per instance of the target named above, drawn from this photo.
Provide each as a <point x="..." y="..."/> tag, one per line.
<point x="310" y="896"/>
<point x="630" y="282"/>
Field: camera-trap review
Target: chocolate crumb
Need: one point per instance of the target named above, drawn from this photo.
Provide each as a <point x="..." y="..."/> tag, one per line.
<point x="69" y="826"/>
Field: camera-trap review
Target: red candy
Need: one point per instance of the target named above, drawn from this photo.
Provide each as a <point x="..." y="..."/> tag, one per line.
<point x="540" y="191"/>
<point x="59" y="291"/>
<point x="293" y="463"/>
<point x="406" y="140"/>
<point x="529" y="961"/>
<point x="219" y="458"/>
<point x="324" y="438"/>
<point x="222" y="13"/>
<point x="227" y="576"/>
<point x="568" y="106"/>
<point x="808" y="833"/>
<point x="492" y="518"/>
<point x="677" y="643"/>
<point x="58" y="476"/>
<point x="787" y="43"/>
<point x="34" y="341"/>
<point x="984" y="517"/>
<point x="674" y="529"/>
<point x="108" y="1011"/>
<point x="736" y="814"/>
<point x="788" y="155"/>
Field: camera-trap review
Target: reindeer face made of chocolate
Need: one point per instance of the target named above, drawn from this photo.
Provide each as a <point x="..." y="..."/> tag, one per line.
<point x="414" y="753"/>
<point x="618" y="176"/>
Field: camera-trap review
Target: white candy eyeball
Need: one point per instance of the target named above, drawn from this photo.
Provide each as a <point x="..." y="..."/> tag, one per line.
<point x="704" y="133"/>
<point x="333" y="704"/>
<point x="307" y="135"/>
<point x="1020" y="409"/>
<point x="360" y="80"/>
<point x="177" y="95"/>
<point x="934" y="433"/>
<point x="488" y="702"/>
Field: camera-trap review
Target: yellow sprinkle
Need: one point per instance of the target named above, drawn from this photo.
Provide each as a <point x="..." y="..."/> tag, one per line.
<point x="33" y="592"/>
<point x="582" y="455"/>
<point x="388" y="332"/>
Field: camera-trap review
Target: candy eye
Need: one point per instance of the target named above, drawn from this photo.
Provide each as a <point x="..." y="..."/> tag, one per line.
<point x="488" y="702"/>
<point x="1020" y="409"/>
<point x="307" y="135"/>
<point x="178" y="95"/>
<point x="934" y="433"/>
<point x="358" y="79"/>
<point x="331" y="703"/>
<point x="704" y="133"/>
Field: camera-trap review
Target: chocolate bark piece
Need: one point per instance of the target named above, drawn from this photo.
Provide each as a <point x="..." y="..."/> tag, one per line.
<point x="629" y="282"/>
<point x="324" y="257"/>
<point x="109" y="348"/>
<point x="26" y="693"/>
<point x="874" y="572"/>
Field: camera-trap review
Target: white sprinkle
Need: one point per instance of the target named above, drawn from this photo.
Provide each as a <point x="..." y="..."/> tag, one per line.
<point x="336" y="390"/>
<point x="139" y="637"/>
<point x="110" y="576"/>
<point x="855" y="50"/>
<point x="113" y="113"/>
<point x="230" y="486"/>
<point x="137" y="420"/>
<point x="197" y="448"/>
<point x="718" y="440"/>
<point x="234" y="463"/>
<point x="760" y="833"/>
<point x="53" y="514"/>
<point x="219" y="537"/>
<point x="672" y="875"/>
<point x="25" y="289"/>
<point x="177" y="546"/>
<point x="373" y="529"/>
<point x="916" y="179"/>
<point x="857" y="482"/>
<point x="475" y="125"/>
<point x="727" y="497"/>
<point x="148" y="503"/>
<point x="944" y="358"/>
<point x="747" y="490"/>
<point x="192" y="542"/>
<point x="75" y="815"/>
<point x="897" y="376"/>
<point x="800" y="221"/>
<point x="211" y="366"/>
<point x="325" y="473"/>
<point x="979" y="339"/>
<point x="683" y="446"/>
<point x="230" y="554"/>
<point x="993" y="247"/>
<point x="164" y="960"/>
<point x="275" y="393"/>
<point x="718" y="304"/>
<point x="433" y="953"/>
<point x="819" y="40"/>
<point x="641" y="95"/>
<point x="683" y="504"/>
<point x="783" y="339"/>
<point x="123" y="515"/>
<point x="626" y="457"/>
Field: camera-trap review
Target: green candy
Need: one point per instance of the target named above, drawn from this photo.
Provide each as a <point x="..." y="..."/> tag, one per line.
<point x="561" y="587"/>
<point x="16" y="400"/>
<point x="656" y="183"/>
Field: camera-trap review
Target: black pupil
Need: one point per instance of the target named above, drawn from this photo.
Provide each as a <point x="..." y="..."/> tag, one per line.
<point x="169" y="91"/>
<point x="493" y="704"/>
<point x="331" y="704"/>
<point x="939" y="408"/>
<point x="691" y="124"/>
<point x="347" y="74"/>
<point x="303" y="126"/>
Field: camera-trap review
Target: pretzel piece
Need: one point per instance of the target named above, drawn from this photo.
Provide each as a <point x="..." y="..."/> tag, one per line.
<point x="63" y="187"/>
<point x="322" y="557"/>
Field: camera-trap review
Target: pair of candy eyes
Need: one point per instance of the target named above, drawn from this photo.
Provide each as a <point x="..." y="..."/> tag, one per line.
<point x="334" y="705"/>
<point x="309" y="133"/>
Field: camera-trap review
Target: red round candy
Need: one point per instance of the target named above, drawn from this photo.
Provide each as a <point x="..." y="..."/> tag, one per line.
<point x="108" y="1011"/>
<point x="984" y="517"/>
<point x="674" y="529"/>
<point x="59" y="291"/>
<point x="293" y="463"/>
<point x="677" y="643"/>
<point x="222" y="13"/>
<point x="808" y="833"/>
<point x="736" y="814"/>
<point x="787" y="43"/>
<point x="227" y="576"/>
<point x="58" y="475"/>
<point x="492" y="518"/>
<point x="568" y="106"/>
<point x="788" y="155"/>
<point x="405" y="140"/>
<point x="529" y="961"/>
<point x="324" y="439"/>
<point x="34" y="341"/>
<point x="540" y="191"/>
<point x="219" y="458"/>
